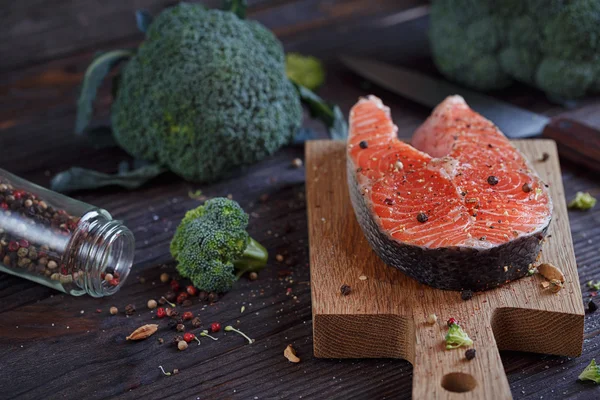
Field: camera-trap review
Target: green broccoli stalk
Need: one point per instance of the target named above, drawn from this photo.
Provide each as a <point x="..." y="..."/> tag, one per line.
<point x="456" y="337"/>
<point x="591" y="372"/>
<point x="211" y="244"/>
<point x="583" y="201"/>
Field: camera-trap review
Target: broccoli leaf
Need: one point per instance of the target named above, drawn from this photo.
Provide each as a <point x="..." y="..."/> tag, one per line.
<point x="591" y="372"/>
<point x="77" y="178"/>
<point x="143" y="19"/>
<point x="92" y="81"/>
<point x="302" y="135"/>
<point x="238" y="7"/>
<point x="331" y="115"/>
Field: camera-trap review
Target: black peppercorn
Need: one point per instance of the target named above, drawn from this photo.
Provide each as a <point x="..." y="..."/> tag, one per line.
<point x="422" y="217"/>
<point x="187" y="303"/>
<point x="470" y="354"/>
<point x="172" y="324"/>
<point x="526" y="187"/>
<point x="345" y="290"/>
<point x="130" y="309"/>
<point x="213" y="297"/>
<point x="466" y="294"/>
<point x="171" y="296"/>
<point x="592" y="307"/>
<point x="196" y="322"/>
<point x="363" y="144"/>
<point x="203" y="295"/>
<point x="492" y="180"/>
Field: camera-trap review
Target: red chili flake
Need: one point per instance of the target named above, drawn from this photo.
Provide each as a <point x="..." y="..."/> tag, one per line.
<point x="13" y="246"/>
<point x="215" y="327"/>
<point x="98" y="310"/>
<point x="160" y="312"/>
<point x="593" y="294"/>
<point x="102" y="275"/>
<point x="114" y="282"/>
<point x="23" y="243"/>
<point x="188" y="315"/>
<point x="4" y="206"/>
<point x="192" y="291"/>
<point x="174" y="285"/>
<point x="288" y="291"/>
<point x="18" y="194"/>
<point x="63" y="270"/>
<point x="452" y="321"/>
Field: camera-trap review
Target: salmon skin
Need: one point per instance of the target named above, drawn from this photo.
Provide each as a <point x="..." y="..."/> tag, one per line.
<point x="459" y="209"/>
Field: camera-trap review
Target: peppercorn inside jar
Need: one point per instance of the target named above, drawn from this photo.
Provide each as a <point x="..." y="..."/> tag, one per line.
<point x="61" y="242"/>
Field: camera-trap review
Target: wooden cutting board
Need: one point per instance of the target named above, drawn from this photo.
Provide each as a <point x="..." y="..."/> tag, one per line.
<point x="385" y="313"/>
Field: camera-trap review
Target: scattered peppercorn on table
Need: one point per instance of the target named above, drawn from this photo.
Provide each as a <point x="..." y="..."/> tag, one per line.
<point x="53" y="345"/>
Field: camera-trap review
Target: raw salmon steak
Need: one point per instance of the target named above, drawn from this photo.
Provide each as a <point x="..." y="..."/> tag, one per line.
<point x="459" y="209"/>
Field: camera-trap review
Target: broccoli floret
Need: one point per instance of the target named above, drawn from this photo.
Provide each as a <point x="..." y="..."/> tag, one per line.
<point x="212" y="247"/>
<point x="306" y="71"/>
<point x="206" y="92"/>
<point x="591" y="372"/>
<point x="552" y="44"/>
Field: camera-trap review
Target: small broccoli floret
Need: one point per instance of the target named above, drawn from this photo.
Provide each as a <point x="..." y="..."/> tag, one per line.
<point x="211" y="245"/>
<point x="306" y="71"/>
<point x="591" y="372"/>
<point x="457" y="337"/>
<point x="583" y="201"/>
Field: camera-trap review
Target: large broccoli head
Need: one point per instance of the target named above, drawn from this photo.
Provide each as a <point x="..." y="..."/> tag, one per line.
<point x="488" y="44"/>
<point x="206" y="92"/>
<point x="211" y="244"/>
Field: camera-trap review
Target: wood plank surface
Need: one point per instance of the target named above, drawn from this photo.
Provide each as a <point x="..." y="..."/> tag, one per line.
<point x="49" y="350"/>
<point x="395" y="307"/>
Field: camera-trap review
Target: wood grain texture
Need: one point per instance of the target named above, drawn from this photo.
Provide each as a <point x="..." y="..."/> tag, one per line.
<point x="393" y="308"/>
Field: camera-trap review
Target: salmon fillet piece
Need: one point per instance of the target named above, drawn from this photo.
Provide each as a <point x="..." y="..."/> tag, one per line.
<point x="461" y="195"/>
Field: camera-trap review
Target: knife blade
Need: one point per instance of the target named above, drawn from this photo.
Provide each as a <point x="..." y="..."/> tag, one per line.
<point x="515" y="122"/>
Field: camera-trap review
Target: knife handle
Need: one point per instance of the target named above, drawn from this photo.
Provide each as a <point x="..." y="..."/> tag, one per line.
<point x="576" y="142"/>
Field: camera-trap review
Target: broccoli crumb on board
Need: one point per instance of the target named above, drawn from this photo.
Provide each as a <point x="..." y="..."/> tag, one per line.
<point x="212" y="247"/>
<point x="583" y="201"/>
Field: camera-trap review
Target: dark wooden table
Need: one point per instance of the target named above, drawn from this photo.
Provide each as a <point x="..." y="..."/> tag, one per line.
<point x="56" y="346"/>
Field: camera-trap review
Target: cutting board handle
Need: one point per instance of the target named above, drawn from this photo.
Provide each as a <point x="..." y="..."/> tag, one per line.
<point x="446" y="374"/>
<point x="577" y="142"/>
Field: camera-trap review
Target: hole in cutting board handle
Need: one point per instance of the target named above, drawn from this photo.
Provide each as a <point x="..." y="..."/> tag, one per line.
<point x="458" y="382"/>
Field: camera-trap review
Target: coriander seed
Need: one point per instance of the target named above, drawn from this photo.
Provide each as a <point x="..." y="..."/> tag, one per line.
<point x="182" y="345"/>
<point x="164" y="277"/>
<point x="152" y="304"/>
<point x="113" y="310"/>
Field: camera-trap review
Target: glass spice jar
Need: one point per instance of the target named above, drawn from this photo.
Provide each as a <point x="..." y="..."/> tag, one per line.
<point x="60" y="242"/>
